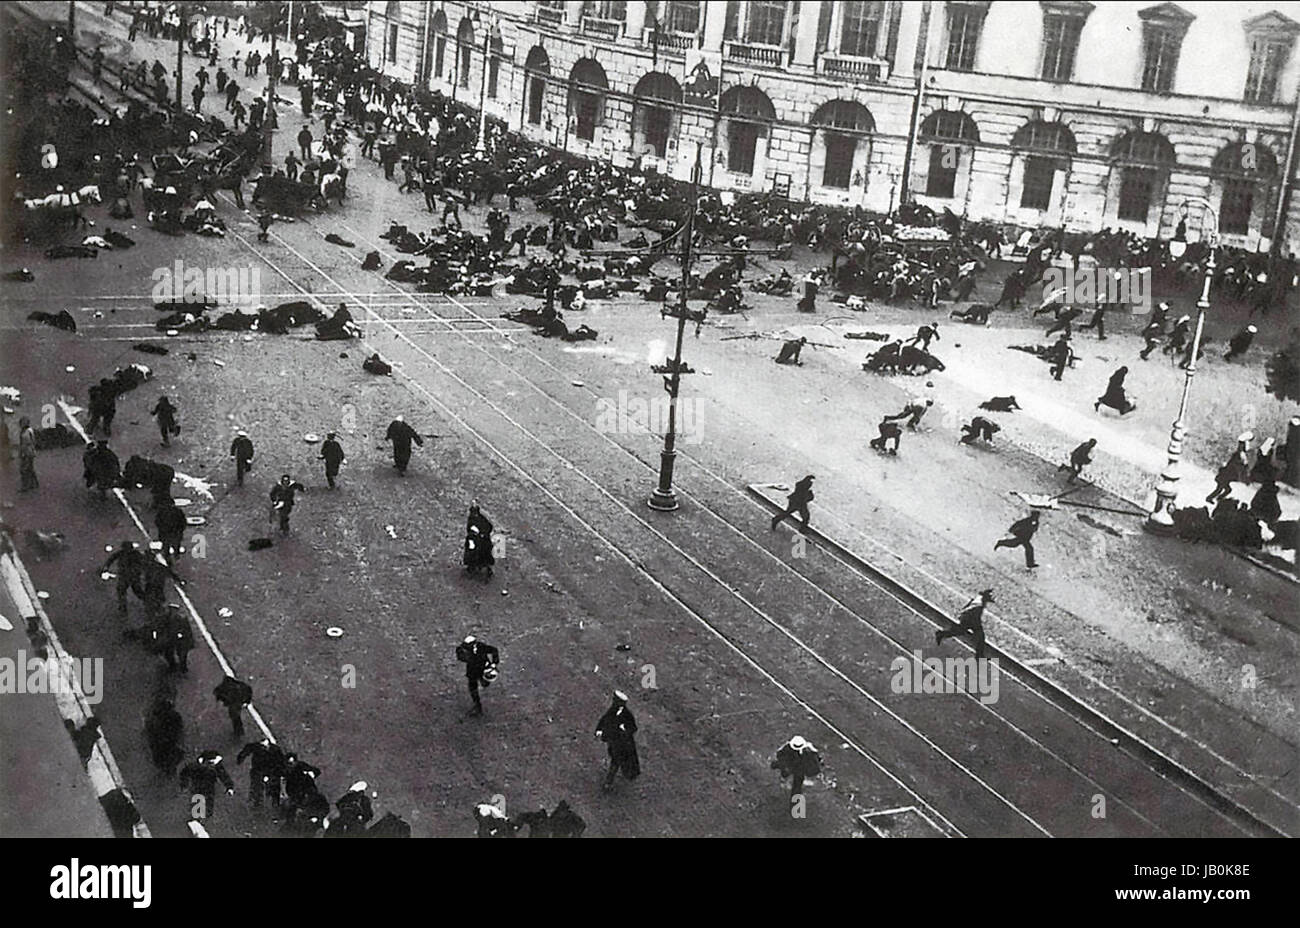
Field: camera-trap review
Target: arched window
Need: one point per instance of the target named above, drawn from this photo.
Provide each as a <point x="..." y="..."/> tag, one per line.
<point x="498" y="50"/>
<point x="465" y="39"/>
<point x="537" y="67"/>
<point x="652" y="124"/>
<point x="1047" y="147"/>
<point x="1144" y="160"/>
<point x="842" y="123"/>
<point x="439" y="42"/>
<point x="587" y="86"/>
<point x="749" y="116"/>
<point x="1245" y="170"/>
<point x="948" y="132"/>
<point x="392" y="16"/>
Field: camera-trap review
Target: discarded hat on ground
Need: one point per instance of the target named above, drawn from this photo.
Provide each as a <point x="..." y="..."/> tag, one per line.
<point x="620" y="696"/>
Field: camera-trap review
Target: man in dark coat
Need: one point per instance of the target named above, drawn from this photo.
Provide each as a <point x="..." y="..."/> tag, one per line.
<point x="1235" y="470"/>
<point x="103" y="469"/>
<point x="172" y="638"/>
<point x="401" y="435"/>
<point x="1114" y="396"/>
<point x="234" y="695"/>
<point x="798" y="760"/>
<point x="166" y="414"/>
<point x="1080" y="458"/>
<point x="154" y="572"/>
<point x="969" y="622"/>
<point x="480" y="660"/>
<point x="617" y="728"/>
<point x="164" y="731"/>
<point x="265" y="772"/>
<point x="1022" y="536"/>
<point x="1060" y="354"/>
<point x="355" y="811"/>
<point x="789" y="353"/>
<point x="797" y="502"/>
<point x="299" y="780"/>
<point x="129" y="561"/>
<point x="201" y="775"/>
<point x="241" y="449"/>
<point x="1239" y="343"/>
<point x="478" y="542"/>
<point x="170" y="521"/>
<point x="103" y="406"/>
<point x="282" y="499"/>
<point x="331" y="453"/>
<point x="978" y="427"/>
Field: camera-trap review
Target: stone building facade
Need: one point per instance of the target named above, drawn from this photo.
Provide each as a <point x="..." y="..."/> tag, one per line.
<point x="1121" y="114"/>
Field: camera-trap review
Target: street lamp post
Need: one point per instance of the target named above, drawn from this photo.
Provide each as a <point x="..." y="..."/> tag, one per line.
<point x="1161" y="519"/>
<point x="664" y="498"/>
<point x="268" y="119"/>
<point x="481" y="146"/>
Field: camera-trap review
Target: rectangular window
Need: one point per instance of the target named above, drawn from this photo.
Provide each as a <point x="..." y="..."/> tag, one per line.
<point x="616" y="10"/>
<point x="860" y="29"/>
<point x="586" y="105"/>
<point x="683" y="18"/>
<point x="742" y="142"/>
<point x="1160" y="49"/>
<point x="766" y="23"/>
<point x="1267" y="58"/>
<point x="391" y="51"/>
<point x="942" y="181"/>
<point x="1060" y="43"/>
<point x="1235" y="210"/>
<point x="658" y="123"/>
<point x="840" y="150"/>
<point x="1037" y="190"/>
<point x="439" y="55"/>
<point x="536" y="96"/>
<point x="494" y="71"/>
<point x="964" y="24"/>
<point x="465" y="53"/>
<point x="1136" y="189"/>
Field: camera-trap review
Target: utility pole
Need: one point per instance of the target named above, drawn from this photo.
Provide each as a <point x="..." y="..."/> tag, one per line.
<point x="664" y="498"/>
<point x="1160" y="521"/>
<point x="72" y="23"/>
<point x="268" y="120"/>
<point x="481" y="146"/>
<point x="180" y="58"/>
<point x="923" y="41"/>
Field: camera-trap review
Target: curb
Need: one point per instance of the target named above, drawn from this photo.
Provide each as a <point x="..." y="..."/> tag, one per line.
<point x="1058" y="694"/>
<point x="102" y="769"/>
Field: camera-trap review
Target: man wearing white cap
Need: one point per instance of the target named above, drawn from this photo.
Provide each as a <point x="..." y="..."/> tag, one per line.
<point x="799" y="760"/>
<point x="355" y="810"/>
<point x="617" y="728"/>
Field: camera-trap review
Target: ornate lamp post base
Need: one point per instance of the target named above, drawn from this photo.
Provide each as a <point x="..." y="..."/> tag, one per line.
<point x="663" y="498"/>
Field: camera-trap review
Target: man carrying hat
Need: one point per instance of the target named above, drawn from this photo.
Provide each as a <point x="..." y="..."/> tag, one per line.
<point x="480" y="660"/>
<point x="617" y="728"/>
<point x="970" y="622"/>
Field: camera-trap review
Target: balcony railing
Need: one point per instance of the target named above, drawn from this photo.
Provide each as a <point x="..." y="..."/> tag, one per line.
<point x="671" y="41"/>
<point x="851" y="67"/>
<point x="602" y="28"/>
<point x="767" y="56"/>
<point x="550" y="16"/>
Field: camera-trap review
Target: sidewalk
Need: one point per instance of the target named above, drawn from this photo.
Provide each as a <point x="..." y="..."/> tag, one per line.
<point x="45" y="791"/>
